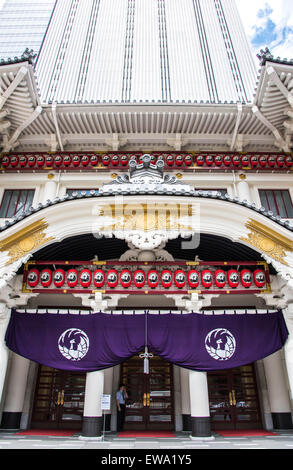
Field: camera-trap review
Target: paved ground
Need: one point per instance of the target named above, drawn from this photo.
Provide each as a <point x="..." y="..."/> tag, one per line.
<point x="9" y="441"/>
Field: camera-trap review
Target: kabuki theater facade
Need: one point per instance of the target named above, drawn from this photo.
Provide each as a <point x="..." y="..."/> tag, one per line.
<point x="146" y="243"/>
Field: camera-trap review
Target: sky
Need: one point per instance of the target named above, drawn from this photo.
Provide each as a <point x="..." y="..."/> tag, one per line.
<point x="267" y="23"/>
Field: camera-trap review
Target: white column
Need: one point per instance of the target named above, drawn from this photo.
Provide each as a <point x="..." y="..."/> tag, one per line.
<point x="15" y="392"/>
<point x="4" y="352"/>
<point x="288" y="315"/>
<point x="185" y="398"/>
<point x="199" y="404"/>
<point x="92" y="413"/>
<point x="50" y="189"/>
<point x="278" y="391"/>
<point x="288" y="348"/>
<point x="243" y="191"/>
<point x="108" y="390"/>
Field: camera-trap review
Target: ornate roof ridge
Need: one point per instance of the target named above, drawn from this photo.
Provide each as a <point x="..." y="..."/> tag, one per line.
<point x="176" y="191"/>
<point x="265" y="56"/>
<point x="27" y="56"/>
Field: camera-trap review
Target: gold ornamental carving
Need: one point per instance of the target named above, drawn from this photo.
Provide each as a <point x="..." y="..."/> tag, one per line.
<point x="268" y="241"/>
<point x="147" y="217"/>
<point x="25" y="240"/>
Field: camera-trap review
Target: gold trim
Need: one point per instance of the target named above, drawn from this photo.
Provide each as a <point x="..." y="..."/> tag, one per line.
<point x="147" y="217"/>
<point x="26" y="291"/>
<point x="25" y="240"/>
<point x="268" y="241"/>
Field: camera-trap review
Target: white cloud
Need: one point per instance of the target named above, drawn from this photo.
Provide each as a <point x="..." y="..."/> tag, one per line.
<point x="268" y="23"/>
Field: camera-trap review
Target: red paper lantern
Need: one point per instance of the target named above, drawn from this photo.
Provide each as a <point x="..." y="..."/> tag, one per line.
<point x="262" y="160"/>
<point x="31" y="161"/>
<point x="58" y="160"/>
<point x="179" y="278"/>
<point x="14" y="161"/>
<point x="227" y="160"/>
<point x="166" y="278"/>
<point x="246" y="278"/>
<point x="245" y="160"/>
<point x="209" y="160"/>
<point x="220" y="278"/>
<point x="124" y="160"/>
<point x="125" y="278"/>
<point x="22" y="160"/>
<point x="153" y="159"/>
<point x="153" y="279"/>
<point x="218" y="160"/>
<point x="106" y="160"/>
<point x="193" y="278"/>
<point x="115" y="160"/>
<point x="271" y="161"/>
<point x="85" y="277"/>
<point x="33" y="277"/>
<point x="236" y="160"/>
<point x="139" y="278"/>
<point x="233" y="278"/>
<point x="207" y="278"/>
<point x="94" y="160"/>
<point x="46" y="277"/>
<point x="170" y="160"/>
<point x="85" y="159"/>
<point x="5" y="162"/>
<point x="75" y="160"/>
<point x="254" y="160"/>
<point x="200" y="160"/>
<point x="112" y="278"/>
<point x="188" y="160"/>
<point x="179" y="160"/>
<point x="280" y="161"/>
<point x="259" y="278"/>
<point x="40" y="161"/>
<point x="72" y="277"/>
<point x="67" y="160"/>
<point x="59" y="277"/>
<point x="288" y="161"/>
<point x="99" y="278"/>
<point x="49" y="160"/>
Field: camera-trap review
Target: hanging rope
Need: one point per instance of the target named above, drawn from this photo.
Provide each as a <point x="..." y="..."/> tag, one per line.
<point x="146" y="355"/>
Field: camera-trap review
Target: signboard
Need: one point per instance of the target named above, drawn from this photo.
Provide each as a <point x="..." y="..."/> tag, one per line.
<point x="106" y="402"/>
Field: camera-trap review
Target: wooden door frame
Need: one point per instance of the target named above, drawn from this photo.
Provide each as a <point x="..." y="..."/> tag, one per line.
<point x="235" y="423"/>
<point x="57" y="423"/>
<point x="146" y="425"/>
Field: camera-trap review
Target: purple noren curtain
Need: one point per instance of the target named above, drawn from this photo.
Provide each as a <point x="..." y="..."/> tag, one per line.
<point x="98" y="341"/>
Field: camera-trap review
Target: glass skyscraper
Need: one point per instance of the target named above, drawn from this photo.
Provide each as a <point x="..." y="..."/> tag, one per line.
<point x="23" y="25"/>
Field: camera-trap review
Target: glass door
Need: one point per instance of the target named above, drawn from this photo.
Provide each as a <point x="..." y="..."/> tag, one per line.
<point x="233" y="398"/>
<point x="150" y="399"/>
<point x="159" y="395"/>
<point x="59" y="399"/>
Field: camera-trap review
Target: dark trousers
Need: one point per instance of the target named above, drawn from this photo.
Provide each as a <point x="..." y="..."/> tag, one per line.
<point x="120" y="418"/>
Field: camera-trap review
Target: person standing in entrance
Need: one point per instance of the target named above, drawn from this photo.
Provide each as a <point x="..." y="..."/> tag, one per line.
<point x="121" y="397"/>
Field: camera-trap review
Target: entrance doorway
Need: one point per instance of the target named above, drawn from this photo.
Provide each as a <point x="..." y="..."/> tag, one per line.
<point x="150" y="396"/>
<point x="59" y="399"/>
<point x="234" y="400"/>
